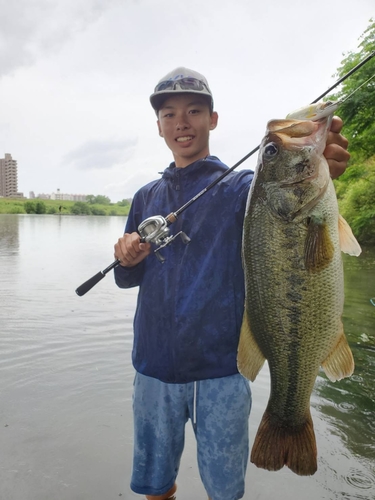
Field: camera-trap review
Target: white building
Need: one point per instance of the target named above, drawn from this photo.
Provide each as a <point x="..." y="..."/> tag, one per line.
<point x="68" y="197"/>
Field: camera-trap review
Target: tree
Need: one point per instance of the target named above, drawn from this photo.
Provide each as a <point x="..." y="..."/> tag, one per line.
<point x="90" y="198"/>
<point x="357" y="205"/>
<point x="359" y="110"/>
<point x="125" y="202"/>
<point x="98" y="200"/>
<point x="355" y="189"/>
<point x="102" y="200"/>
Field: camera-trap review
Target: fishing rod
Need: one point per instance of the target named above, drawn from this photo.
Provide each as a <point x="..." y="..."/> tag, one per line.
<point x="156" y="229"/>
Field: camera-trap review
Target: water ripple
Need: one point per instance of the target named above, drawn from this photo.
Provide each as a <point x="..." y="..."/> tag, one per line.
<point x="360" y="479"/>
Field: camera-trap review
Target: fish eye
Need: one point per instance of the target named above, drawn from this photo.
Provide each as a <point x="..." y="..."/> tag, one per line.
<point x="271" y="150"/>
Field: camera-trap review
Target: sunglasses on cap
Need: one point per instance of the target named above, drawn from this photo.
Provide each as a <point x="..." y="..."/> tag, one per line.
<point x="187" y="83"/>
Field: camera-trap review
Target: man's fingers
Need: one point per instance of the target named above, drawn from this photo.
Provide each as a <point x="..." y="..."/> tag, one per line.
<point x="337" y="159"/>
<point x="129" y="251"/>
<point x="336" y="124"/>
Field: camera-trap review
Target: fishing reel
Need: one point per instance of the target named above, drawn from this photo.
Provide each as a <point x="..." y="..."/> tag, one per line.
<point x="155" y="230"/>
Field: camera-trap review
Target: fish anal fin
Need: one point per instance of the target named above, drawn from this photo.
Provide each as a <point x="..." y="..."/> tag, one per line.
<point x="276" y="445"/>
<point x="348" y="242"/>
<point x="339" y="363"/>
<point x="249" y="357"/>
<point x="319" y="249"/>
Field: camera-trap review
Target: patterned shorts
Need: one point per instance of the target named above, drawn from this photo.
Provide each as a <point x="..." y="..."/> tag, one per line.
<point x="219" y="410"/>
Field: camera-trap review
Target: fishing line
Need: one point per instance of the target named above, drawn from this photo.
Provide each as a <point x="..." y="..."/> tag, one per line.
<point x="156" y="229"/>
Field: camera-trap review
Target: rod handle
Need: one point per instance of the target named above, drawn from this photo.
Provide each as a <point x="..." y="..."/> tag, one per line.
<point x="87" y="285"/>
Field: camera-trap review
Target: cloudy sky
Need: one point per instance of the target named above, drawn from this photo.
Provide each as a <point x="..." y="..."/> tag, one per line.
<point x="76" y="75"/>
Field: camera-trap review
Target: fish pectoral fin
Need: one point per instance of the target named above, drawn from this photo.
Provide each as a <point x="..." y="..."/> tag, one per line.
<point x="249" y="357"/>
<point x="339" y="363"/>
<point x="319" y="249"/>
<point x="348" y="242"/>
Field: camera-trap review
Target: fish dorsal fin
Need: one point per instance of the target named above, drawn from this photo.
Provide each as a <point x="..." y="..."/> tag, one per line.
<point x="339" y="363"/>
<point x="319" y="249"/>
<point x="249" y="357"/>
<point x="348" y="242"/>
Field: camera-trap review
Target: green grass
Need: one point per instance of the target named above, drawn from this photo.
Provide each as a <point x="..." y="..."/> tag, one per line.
<point x="16" y="206"/>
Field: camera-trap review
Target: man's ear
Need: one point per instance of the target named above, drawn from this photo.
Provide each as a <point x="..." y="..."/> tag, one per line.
<point x="159" y="128"/>
<point x="214" y="119"/>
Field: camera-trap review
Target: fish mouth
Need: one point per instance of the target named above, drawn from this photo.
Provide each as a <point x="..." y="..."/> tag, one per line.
<point x="294" y="134"/>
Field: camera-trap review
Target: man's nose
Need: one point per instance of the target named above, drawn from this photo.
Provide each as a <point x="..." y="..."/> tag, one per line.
<point x="182" y="123"/>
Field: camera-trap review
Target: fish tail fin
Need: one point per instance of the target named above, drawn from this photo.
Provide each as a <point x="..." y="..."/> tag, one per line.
<point x="277" y="445"/>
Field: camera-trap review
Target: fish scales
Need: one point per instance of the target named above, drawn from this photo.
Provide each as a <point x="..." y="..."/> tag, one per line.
<point x="294" y="289"/>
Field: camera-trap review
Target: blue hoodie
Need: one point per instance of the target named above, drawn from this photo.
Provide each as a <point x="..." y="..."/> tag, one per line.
<point x="189" y="309"/>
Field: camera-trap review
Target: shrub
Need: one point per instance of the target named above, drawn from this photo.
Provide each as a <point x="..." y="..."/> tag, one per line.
<point x="29" y="207"/>
<point x="40" y="207"/>
<point x="80" y="208"/>
<point x="98" y="211"/>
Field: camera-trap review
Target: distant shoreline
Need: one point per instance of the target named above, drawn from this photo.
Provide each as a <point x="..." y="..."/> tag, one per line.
<point x="60" y="207"/>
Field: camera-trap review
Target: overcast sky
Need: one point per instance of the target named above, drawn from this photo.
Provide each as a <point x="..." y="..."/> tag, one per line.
<point x="76" y="75"/>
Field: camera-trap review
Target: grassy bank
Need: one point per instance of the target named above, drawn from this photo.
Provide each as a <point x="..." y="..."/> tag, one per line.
<point x="17" y="206"/>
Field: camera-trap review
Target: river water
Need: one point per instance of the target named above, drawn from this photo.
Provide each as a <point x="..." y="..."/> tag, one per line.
<point x="66" y="377"/>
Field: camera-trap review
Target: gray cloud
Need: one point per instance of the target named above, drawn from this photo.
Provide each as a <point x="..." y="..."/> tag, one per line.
<point x="31" y="28"/>
<point x="101" y="154"/>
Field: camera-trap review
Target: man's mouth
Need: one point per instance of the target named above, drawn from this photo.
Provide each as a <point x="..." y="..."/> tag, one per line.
<point x="185" y="138"/>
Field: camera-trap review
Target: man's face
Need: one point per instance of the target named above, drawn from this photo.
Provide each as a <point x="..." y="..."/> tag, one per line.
<point x="185" y="122"/>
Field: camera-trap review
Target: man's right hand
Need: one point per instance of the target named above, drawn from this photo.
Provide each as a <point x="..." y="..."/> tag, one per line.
<point x="130" y="251"/>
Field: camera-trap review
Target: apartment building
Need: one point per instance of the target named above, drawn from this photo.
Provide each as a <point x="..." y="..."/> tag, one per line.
<point x="67" y="197"/>
<point x="9" y="177"/>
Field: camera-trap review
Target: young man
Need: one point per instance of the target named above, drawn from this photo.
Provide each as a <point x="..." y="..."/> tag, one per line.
<point x="189" y="310"/>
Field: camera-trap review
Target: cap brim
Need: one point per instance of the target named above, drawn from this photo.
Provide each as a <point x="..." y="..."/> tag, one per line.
<point x="157" y="99"/>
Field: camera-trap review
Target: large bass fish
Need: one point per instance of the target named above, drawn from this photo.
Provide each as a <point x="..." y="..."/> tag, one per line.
<point x="292" y="242"/>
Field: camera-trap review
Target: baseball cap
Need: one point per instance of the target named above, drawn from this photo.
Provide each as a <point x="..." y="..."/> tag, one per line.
<point x="180" y="80"/>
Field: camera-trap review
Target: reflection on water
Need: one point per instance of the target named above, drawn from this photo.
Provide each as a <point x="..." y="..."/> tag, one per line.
<point x="348" y="406"/>
<point x="66" y="377"/>
<point x="9" y="240"/>
<point x="352" y="401"/>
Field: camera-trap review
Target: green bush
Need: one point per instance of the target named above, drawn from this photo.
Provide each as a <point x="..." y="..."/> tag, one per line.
<point x="40" y="207"/>
<point x="97" y="211"/>
<point x="29" y="207"/>
<point x="80" y="208"/>
<point x="358" y="208"/>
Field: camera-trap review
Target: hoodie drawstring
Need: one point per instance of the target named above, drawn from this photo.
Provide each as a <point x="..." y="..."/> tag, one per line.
<point x="195" y="404"/>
